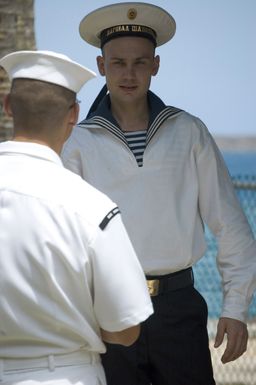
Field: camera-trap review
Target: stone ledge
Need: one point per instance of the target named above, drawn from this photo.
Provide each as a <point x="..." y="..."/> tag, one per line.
<point x="232" y="143"/>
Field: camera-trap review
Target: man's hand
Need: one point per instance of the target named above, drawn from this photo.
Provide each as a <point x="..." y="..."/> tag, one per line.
<point x="237" y="337"/>
<point x="125" y="337"/>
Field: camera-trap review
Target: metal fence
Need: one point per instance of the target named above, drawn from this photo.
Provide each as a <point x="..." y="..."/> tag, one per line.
<point x="243" y="370"/>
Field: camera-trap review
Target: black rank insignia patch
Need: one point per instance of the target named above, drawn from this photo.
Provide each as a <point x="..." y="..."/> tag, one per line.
<point x="108" y="218"/>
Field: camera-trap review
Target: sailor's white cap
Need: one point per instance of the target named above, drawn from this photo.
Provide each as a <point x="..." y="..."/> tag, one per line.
<point x="127" y="19"/>
<point x="47" y="66"/>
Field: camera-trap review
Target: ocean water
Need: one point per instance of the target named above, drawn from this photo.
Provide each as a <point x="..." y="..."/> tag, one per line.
<point x="240" y="163"/>
<point x="207" y="278"/>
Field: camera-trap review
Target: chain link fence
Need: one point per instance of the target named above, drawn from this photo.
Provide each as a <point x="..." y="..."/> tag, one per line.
<point x="243" y="370"/>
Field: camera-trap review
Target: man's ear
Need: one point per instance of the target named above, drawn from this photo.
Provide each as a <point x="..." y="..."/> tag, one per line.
<point x="74" y="113"/>
<point x="156" y="65"/>
<point x="100" y="64"/>
<point x="72" y="120"/>
<point x="7" y="105"/>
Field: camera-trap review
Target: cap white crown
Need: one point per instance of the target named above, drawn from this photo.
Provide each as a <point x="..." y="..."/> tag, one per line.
<point x="47" y="66"/>
<point x="131" y="13"/>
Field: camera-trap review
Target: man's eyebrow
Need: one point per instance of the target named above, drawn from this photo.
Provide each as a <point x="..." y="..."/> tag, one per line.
<point x="136" y="58"/>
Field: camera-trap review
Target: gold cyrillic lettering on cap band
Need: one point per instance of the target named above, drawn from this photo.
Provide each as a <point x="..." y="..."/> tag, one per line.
<point x="127" y="30"/>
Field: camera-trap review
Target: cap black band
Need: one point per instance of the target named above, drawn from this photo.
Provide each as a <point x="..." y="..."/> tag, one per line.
<point x="127" y="30"/>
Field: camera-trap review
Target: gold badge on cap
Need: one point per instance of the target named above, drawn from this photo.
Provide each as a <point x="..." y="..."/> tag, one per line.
<point x="131" y="14"/>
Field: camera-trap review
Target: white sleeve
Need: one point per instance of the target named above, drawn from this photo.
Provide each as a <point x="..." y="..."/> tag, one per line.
<point x="121" y="298"/>
<point x="221" y="211"/>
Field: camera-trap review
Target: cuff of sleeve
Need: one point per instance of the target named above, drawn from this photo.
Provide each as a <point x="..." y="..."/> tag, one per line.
<point x="129" y="321"/>
<point x="235" y="308"/>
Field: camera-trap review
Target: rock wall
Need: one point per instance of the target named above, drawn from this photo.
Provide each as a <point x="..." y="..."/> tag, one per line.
<point x="16" y="33"/>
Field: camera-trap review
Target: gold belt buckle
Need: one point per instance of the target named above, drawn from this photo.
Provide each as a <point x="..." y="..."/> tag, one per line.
<point x="153" y="287"/>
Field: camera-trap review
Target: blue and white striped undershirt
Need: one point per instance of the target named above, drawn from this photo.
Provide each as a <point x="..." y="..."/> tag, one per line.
<point x="137" y="143"/>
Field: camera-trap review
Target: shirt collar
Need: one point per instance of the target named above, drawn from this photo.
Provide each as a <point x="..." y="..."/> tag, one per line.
<point x="35" y="150"/>
<point x="156" y="105"/>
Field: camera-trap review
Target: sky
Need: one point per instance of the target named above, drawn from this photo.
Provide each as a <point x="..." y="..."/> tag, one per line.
<point x="207" y="69"/>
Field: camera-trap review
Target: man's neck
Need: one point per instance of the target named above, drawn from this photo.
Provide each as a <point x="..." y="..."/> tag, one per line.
<point x="55" y="147"/>
<point x="131" y="118"/>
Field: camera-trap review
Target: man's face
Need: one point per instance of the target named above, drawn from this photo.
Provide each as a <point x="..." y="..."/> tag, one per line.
<point x="128" y="64"/>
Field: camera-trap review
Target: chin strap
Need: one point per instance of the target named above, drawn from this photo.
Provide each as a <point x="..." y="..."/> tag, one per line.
<point x="103" y="92"/>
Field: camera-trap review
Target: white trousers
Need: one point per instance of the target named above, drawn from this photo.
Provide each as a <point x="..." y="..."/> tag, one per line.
<point x="79" y="368"/>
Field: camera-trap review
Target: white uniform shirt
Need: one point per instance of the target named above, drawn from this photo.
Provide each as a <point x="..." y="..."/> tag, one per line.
<point x="183" y="184"/>
<point x="61" y="275"/>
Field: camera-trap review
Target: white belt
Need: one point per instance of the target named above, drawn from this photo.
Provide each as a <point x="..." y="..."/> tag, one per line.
<point x="51" y="362"/>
